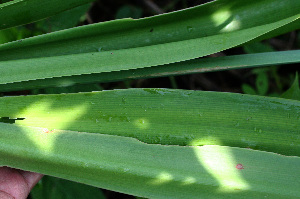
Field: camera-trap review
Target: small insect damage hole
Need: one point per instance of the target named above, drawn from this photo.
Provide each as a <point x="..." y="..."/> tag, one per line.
<point x="239" y="166"/>
<point x="45" y="130"/>
<point x="10" y="120"/>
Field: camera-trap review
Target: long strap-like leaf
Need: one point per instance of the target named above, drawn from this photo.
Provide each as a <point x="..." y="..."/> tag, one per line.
<point x="125" y="59"/>
<point x="19" y="12"/>
<point x="158" y="171"/>
<point x="129" y="44"/>
<point x="186" y="67"/>
<point x="216" y="18"/>
<point x="163" y="116"/>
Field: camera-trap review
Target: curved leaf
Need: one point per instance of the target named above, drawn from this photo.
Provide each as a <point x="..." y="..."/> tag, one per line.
<point x="294" y="91"/>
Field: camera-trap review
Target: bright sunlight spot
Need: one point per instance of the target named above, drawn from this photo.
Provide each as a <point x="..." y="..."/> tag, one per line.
<point x="189" y="180"/>
<point x="44" y="141"/>
<point x="162" y="178"/>
<point x="221" y="17"/>
<point x="219" y="162"/>
<point x="42" y="115"/>
<point x="235" y="24"/>
<point x="49" y="120"/>
<point x="141" y="123"/>
<point x="204" y="141"/>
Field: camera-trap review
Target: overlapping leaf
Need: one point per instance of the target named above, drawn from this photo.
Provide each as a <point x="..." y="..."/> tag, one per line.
<point x="186" y="67"/>
<point x="153" y="171"/>
<point x="106" y="151"/>
<point x="131" y="44"/>
<point x="162" y="116"/>
<point x="19" y="12"/>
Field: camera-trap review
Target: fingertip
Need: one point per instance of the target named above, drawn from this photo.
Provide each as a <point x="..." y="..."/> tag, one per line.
<point x="4" y="195"/>
<point x="31" y="178"/>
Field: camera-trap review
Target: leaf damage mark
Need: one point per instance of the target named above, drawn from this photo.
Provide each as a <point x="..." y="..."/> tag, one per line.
<point x="239" y="166"/>
<point x="9" y="120"/>
<point x="45" y="130"/>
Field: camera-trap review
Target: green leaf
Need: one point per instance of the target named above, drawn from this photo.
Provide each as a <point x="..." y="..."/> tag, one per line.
<point x="154" y="171"/>
<point x="73" y="89"/>
<point x="247" y="89"/>
<point x="258" y="48"/>
<point x="295" y="25"/>
<point x="129" y="12"/>
<point x="171" y="40"/>
<point x="19" y="12"/>
<point x="221" y="145"/>
<point x="64" y="20"/>
<point x="4" y="1"/>
<point x="219" y="18"/>
<point x="186" y="67"/>
<point x="54" y="188"/>
<point x="262" y="83"/>
<point x="294" y="91"/>
<point x="6" y="36"/>
<point x="169" y="117"/>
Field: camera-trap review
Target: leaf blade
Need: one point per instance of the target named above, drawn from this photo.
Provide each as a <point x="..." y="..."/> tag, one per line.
<point x="153" y="171"/>
<point x="161" y="116"/>
<point x="138" y="51"/>
<point x="186" y="67"/>
<point x="19" y="12"/>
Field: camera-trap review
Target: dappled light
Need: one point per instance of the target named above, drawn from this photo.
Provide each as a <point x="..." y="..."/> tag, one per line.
<point x="44" y="141"/>
<point x="49" y="121"/>
<point x="221" y="164"/>
<point x="189" y="180"/>
<point x="221" y="16"/>
<point x="163" y="177"/>
<point x="82" y="109"/>
<point x="226" y="20"/>
<point x="42" y="114"/>
<point x="141" y="123"/>
<point x="235" y="24"/>
<point x="205" y="140"/>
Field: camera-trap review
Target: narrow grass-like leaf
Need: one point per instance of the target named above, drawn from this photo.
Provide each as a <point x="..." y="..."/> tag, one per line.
<point x="125" y="59"/>
<point x="64" y="20"/>
<point x="186" y="67"/>
<point x="295" y="25"/>
<point x="169" y="117"/>
<point x="216" y="18"/>
<point x="153" y="171"/>
<point x="172" y="41"/>
<point x="19" y="12"/>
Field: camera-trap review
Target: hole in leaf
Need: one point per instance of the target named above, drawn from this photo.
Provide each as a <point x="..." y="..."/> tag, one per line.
<point x="9" y="120"/>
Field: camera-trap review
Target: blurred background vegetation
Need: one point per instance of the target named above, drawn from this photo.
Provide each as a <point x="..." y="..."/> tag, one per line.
<point x="267" y="81"/>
